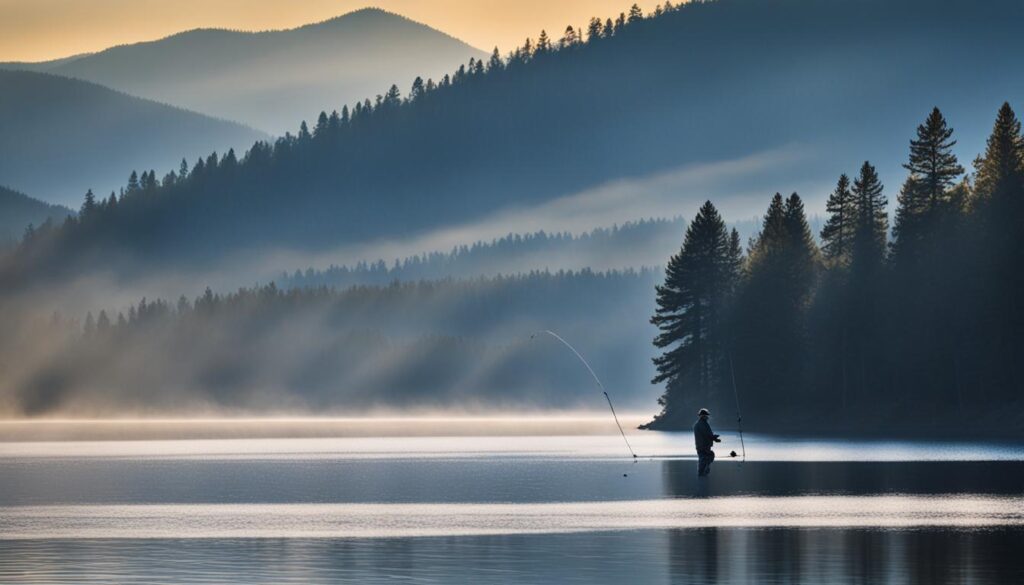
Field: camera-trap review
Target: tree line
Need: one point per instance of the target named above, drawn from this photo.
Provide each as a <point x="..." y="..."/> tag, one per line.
<point x="918" y="322"/>
<point x="446" y="343"/>
<point x="218" y="188"/>
<point x="632" y="244"/>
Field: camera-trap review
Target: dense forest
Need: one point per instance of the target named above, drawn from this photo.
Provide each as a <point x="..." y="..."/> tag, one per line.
<point x="454" y="344"/>
<point x="627" y="97"/>
<point x="920" y="326"/>
<point x="636" y="244"/>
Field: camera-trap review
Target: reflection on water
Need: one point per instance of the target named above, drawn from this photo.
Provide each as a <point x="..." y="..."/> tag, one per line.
<point x="699" y="556"/>
<point x="546" y="508"/>
<point x="416" y="520"/>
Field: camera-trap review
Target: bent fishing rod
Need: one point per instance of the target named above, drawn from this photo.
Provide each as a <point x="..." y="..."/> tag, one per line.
<point x="579" y="356"/>
<point x="596" y="379"/>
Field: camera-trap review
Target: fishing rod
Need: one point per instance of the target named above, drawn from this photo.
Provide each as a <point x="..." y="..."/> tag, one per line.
<point x="596" y="379"/>
<point x="739" y="416"/>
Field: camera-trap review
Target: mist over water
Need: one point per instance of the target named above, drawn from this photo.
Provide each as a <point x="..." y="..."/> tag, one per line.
<point x="448" y="499"/>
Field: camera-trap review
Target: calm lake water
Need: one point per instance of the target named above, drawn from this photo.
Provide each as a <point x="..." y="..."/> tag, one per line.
<point x="487" y="502"/>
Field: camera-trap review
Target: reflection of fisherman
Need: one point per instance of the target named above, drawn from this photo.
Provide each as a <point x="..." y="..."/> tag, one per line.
<point x="704" y="437"/>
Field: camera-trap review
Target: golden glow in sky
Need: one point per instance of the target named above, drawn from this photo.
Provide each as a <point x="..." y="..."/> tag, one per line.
<point x="35" y="30"/>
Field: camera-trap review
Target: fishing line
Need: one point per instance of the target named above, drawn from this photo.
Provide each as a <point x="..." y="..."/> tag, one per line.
<point x="599" y="385"/>
<point x="739" y="416"/>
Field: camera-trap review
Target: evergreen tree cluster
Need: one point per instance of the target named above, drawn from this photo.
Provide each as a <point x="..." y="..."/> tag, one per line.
<point x="923" y="329"/>
<point x="215" y="187"/>
<point x="556" y="116"/>
<point x="442" y="343"/>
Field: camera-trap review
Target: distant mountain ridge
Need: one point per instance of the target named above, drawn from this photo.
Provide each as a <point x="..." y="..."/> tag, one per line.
<point x="846" y="80"/>
<point x="60" y="137"/>
<point x="272" y="79"/>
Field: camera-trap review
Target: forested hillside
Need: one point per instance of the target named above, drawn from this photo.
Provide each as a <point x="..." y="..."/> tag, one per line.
<point x="60" y="137"/>
<point x="18" y="211"/>
<point x="270" y="80"/>
<point x="628" y="97"/>
<point x="632" y="245"/>
<point x="437" y="344"/>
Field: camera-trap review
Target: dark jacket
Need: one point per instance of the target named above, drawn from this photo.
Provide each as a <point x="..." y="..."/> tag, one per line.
<point x="703" y="435"/>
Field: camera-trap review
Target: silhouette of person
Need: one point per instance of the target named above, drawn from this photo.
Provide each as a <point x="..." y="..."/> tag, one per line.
<point x="704" y="437"/>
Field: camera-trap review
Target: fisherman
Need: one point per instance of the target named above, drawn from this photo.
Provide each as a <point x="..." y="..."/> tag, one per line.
<point x="704" y="437"/>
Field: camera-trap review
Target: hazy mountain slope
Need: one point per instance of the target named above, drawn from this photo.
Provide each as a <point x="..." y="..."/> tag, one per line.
<point x="837" y="82"/>
<point x="448" y="343"/>
<point x="60" y="137"/>
<point x="271" y="80"/>
<point x="18" y="211"/>
<point x="635" y="245"/>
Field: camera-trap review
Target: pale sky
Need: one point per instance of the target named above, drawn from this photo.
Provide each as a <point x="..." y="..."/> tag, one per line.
<point x="35" y="30"/>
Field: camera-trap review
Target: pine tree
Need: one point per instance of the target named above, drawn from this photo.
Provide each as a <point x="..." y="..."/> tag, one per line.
<point x="803" y="250"/>
<point x="321" y="125"/>
<point x="609" y="29"/>
<point x="771" y="308"/>
<point x="89" y="205"/>
<point x="183" y="169"/>
<point x="568" y="39"/>
<point x="133" y="182"/>
<point x="932" y="159"/>
<point x="230" y="160"/>
<point x="924" y="197"/>
<point x="997" y="277"/>
<point x="999" y="173"/>
<point x="691" y="313"/>
<point x="393" y="97"/>
<point x="495" y="63"/>
<point x="837" y="233"/>
<point x="870" y="219"/>
<point x="635" y="14"/>
<point x="417" y="90"/>
<point x="543" y="43"/>
<point x="594" y="30"/>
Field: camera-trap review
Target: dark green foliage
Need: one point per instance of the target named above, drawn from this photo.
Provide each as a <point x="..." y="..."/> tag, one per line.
<point x="870" y="221"/>
<point x="932" y="160"/>
<point x="692" y="316"/>
<point x="927" y="337"/>
<point x="770" y="314"/>
<point x="578" y="118"/>
<point x="837" y="235"/>
<point x="926" y="194"/>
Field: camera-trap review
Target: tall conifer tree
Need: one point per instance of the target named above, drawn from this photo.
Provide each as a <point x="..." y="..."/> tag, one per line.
<point x="837" y="234"/>
<point x="691" y="314"/>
